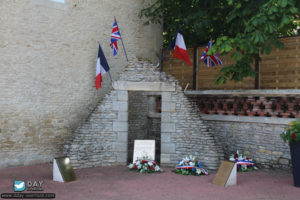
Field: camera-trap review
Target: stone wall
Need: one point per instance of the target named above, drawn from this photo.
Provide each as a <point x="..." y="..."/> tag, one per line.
<point x="94" y="142"/>
<point x="256" y="137"/>
<point x="257" y="134"/>
<point x="47" y="68"/>
<point x="154" y="128"/>
<point x="103" y="140"/>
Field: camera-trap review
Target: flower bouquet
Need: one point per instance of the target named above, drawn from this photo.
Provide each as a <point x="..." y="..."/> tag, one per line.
<point x="190" y="166"/>
<point x="144" y="166"/>
<point x="291" y="134"/>
<point x="244" y="164"/>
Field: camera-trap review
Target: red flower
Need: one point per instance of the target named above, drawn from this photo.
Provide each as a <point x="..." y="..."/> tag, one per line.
<point x="134" y="167"/>
<point x="247" y="158"/>
<point x="151" y="168"/>
<point x="235" y="155"/>
<point x="236" y="159"/>
<point x="294" y="135"/>
<point x="187" y="162"/>
<point x="155" y="163"/>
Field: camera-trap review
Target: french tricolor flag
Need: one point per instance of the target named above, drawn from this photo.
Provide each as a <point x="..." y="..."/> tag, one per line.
<point x="180" y="49"/>
<point x="101" y="68"/>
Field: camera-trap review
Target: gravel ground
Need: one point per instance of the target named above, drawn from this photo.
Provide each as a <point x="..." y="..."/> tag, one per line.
<point x="118" y="183"/>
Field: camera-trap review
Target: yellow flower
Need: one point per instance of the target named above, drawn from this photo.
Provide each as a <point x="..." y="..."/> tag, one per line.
<point x="291" y="124"/>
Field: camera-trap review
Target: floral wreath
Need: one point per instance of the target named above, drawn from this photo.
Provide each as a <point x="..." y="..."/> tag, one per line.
<point x="190" y="166"/>
<point x="145" y="166"/>
<point x="243" y="163"/>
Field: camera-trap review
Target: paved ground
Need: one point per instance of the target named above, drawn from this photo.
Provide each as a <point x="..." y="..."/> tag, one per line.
<point x="118" y="183"/>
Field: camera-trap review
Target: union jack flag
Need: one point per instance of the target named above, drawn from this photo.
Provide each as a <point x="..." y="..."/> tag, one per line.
<point x="115" y="37"/>
<point x="210" y="60"/>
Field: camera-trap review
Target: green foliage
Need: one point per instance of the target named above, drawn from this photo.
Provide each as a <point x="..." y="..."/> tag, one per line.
<point x="246" y="169"/>
<point x="245" y="28"/>
<point x="187" y="172"/>
<point x="292" y="132"/>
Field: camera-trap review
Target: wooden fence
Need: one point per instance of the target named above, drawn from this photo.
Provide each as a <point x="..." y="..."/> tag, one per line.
<point x="278" y="70"/>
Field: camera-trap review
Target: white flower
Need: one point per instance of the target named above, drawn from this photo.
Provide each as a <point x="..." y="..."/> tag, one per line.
<point x="139" y="166"/>
<point x="192" y="158"/>
<point x="244" y="167"/>
<point x="130" y="166"/>
<point x="240" y="156"/>
<point x="150" y="163"/>
<point x="198" y="171"/>
<point x="157" y="168"/>
<point x="231" y="158"/>
<point x="192" y="164"/>
<point x="138" y="162"/>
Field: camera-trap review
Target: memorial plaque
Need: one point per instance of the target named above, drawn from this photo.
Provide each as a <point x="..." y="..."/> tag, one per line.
<point x="226" y="175"/>
<point x="144" y="149"/>
<point x="63" y="170"/>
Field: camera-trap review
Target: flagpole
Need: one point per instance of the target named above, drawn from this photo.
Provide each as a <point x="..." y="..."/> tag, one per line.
<point x="194" y="72"/>
<point x="121" y="40"/>
<point x="110" y="77"/>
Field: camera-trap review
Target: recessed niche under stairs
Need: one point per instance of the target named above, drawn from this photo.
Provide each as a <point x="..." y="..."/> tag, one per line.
<point x="144" y="120"/>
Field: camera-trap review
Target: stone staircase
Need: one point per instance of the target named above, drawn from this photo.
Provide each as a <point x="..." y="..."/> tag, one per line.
<point x="102" y="139"/>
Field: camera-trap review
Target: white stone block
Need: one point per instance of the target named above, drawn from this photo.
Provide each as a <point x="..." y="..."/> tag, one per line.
<point x="144" y="86"/>
<point x="166" y="96"/>
<point x="123" y="136"/>
<point x="122" y="116"/>
<point x="165" y="137"/>
<point x="167" y="127"/>
<point x="120" y="126"/>
<point x="120" y="105"/>
<point x="167" y="148"/>
<point x="122" y="158"/>
<point x="166" y="117"/>
<point x="56" y="172"/>
<point x="165" y="158"/>
<point x="120" y="146"/>
<point x="168" y="106"/>
<point x="144" y="148"/>
<point x="122" y="95"/>
<point x="232" y="180"/>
